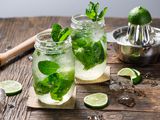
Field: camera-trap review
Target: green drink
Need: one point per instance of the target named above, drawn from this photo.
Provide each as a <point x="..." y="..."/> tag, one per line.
<point x="89" y="47"/>
<point x="89" y="43"/>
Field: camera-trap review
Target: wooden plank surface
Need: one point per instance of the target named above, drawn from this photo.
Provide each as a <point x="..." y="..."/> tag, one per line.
<point x="15" y="30"/>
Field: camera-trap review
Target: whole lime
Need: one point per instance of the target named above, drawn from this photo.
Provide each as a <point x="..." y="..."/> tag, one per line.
<point x="139" y="16"/>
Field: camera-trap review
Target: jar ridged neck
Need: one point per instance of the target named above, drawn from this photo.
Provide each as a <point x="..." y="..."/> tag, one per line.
<point x="80" y="20"/>
<point x="45" y="44"/>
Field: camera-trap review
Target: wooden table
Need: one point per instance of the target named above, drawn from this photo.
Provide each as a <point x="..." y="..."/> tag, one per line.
<point x="15" y="30"/>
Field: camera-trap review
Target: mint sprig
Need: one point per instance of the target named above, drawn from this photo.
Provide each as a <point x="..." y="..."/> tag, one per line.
<point x="59" y="34"/>
<point x="92" y="12"/>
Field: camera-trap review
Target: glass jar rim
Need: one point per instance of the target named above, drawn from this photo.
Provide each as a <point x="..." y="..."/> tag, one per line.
<point x="44" y="41"/>
<point x="75" y="20"/>
<point x="48" y="45"/>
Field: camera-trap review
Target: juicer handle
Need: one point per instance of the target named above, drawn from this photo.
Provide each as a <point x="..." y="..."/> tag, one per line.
<point x="110" y="37"/>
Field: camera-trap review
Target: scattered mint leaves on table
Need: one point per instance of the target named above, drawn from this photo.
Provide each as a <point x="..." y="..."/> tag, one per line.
<point x="92" y="12"/>
<point x="59" y="34"/>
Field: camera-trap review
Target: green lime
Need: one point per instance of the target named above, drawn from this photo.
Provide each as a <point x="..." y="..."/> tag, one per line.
<point x="134" y="74"/>
<point x="139" y="16"/>
<point x="11" y="87"/>
<point x="96" y="100"/>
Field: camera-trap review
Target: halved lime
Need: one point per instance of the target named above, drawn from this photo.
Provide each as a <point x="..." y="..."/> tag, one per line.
<point x="11" y="87"/>
<point x="134" y="74"/>
<point x="139" y="16"/>
<point x="96" y="100"/>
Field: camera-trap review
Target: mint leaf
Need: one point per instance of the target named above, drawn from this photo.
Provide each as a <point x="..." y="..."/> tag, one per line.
<point x="56" y="29"/>
<point x="63" y="88"/>
<point x="90" y="12"/>
<point x="48" y="67"/>
<point x="102" y="14"/>
<point x="98" y="52"/>
<point x="64" y="34"/>
<point x="42" y="87"/>
<point x="60" y="86"/>
<point x="90" y="5"/>
<point x="96" y="7"/>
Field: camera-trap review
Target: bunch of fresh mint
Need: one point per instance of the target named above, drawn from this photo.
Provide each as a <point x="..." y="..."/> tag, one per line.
<point x="92" y="12"/>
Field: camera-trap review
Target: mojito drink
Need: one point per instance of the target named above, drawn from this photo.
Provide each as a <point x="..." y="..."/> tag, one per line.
<point x="89" y="47"/>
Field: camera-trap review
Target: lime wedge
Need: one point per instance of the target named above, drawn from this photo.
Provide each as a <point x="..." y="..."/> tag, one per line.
<point x="11" y="87"/>
<point x="139" y="16"/>
<point x="96" y="100"/>
<point x="127" y="72"/>
<point x="134" y="75"/>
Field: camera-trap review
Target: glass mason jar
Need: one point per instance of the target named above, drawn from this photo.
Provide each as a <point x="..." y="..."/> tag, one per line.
<point x="53" y="69"/>
<point x="89" y="47"/>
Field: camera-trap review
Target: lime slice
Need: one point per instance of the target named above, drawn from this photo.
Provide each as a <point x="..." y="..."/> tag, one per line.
<point x="96" y="100"/>
<point x="139" y="16"/>
<point x="11" y="87"/>
<point x="134" y="75"/>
